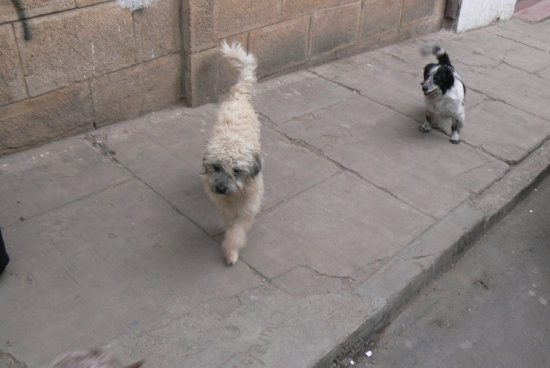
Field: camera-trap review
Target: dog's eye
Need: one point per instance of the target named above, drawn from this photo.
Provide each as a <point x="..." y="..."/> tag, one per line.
<point x="237" y="171"/>
<point x="216" y="167"/>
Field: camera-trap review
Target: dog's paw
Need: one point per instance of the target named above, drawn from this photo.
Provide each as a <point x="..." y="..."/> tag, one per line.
<point x="231" y="257"/>
<point x="455" y="138"/>
<point x="425" y="128"/>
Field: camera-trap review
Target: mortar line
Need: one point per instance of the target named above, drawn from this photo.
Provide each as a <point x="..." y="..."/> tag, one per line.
<point x="521" y="43"/>
<point x="84" y="197"/>
<point x="320" y="153"/>
<point x="358" y="92"/>
<point x="135" y="176"/>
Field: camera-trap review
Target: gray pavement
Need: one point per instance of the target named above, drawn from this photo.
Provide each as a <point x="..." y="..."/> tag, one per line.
<point x="490" y="310"/>
<point x="114" y="243"/>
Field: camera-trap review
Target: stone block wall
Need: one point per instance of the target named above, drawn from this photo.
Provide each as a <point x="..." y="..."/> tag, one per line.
<point x="290" y="34"/>
<point x="84" y="63"/>
<point x="68" y="66"/>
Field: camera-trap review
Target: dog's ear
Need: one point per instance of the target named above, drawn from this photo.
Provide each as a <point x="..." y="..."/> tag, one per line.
<point x="427" y="70"/>
<point x="256" y="165"/>
<point x="445" y="79"/>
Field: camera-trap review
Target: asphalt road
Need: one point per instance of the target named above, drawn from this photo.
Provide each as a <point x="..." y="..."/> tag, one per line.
<point x="490" y="310"/>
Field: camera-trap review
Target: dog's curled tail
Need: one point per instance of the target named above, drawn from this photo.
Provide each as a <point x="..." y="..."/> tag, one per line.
<point x="246" y="63"/>
<point x="437" y="51"/>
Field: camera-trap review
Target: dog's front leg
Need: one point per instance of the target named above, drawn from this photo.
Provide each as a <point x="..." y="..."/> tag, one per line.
<point x="455" y="130"/>
<point x="235" y="238"/>
<point x="427" y="126"/>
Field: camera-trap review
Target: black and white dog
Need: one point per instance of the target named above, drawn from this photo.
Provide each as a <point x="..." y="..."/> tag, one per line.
<point x="444" y="92"/>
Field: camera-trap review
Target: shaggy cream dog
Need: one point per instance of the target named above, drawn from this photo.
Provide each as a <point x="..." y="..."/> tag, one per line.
<point x="232" y="160"/>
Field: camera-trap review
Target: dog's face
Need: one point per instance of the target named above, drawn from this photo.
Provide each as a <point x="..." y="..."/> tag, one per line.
<point x="437" y="78"/>
<point x="227" y="174"/>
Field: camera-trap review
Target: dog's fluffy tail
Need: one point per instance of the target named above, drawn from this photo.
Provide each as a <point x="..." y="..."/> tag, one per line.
<point x="246" y="63"/>
<point x="438" y="52"/>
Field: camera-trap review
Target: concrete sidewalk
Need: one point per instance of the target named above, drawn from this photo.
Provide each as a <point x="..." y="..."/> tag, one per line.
<point x="114" y="242"/>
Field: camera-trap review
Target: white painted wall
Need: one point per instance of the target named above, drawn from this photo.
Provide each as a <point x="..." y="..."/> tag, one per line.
<point x="478" y="13"/>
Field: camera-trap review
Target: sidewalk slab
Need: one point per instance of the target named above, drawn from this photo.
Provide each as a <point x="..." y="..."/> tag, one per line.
<point x="115" y="262"/>
<point x="386" y="148"/>
<point x="296" y="94"/>
<point x="35" y="181"/>
<point x="504" y="132"/>
<point x="114" y="242"/>
<point x="536" y="12"/>
<point x="344" y="227"/>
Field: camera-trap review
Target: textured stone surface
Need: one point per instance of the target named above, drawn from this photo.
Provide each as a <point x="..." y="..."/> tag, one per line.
<point x="379" y="16"/>
<point x="344" y="228"/>
<point x="11" y="73"/>
<point x="504" y="131"/>
<point x="299" y="94"/>
<point x="201" y="77"/>
<point x="157" y="30"/>
<point x="32" y="8"/>
<point x="29" y="122"/>
<point x="361" y="211"/>
<point x="133" y="250"/>
<point x="334" y="28"/>
<point x="417" y="9"/>
<point x="292" y="8"/>
<point x="282" y="160"/>
<point x="67" y="171"/>
<point x="280" y="46"/>
<point x="198" y="32"/>
<point x="82" y="3"/>
<point x="231" y="17"/>
<point x="520" y="89"/>
<point x="135" y="91"/>
<point x="373" y="140"/>
<point x="74" y="46"/>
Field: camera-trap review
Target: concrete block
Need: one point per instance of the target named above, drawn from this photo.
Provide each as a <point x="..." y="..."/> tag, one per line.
<point x="117" y="96"/>
<point x="334" y="28"/>
<point x="133" y="250"/>
<point x="82" y="3"/>
<point x="280" y="46"/>
<point x="300" y="93"/>
<point x="285" y="237"/>
<point x="232" y="17"/>
<point x="61" y="172"/>
<point x="153" y="162"/>
<point x="201" y="77"/>
<point x="515" y="87"/>
<point x="373" y="141"/>
<point x="53" y="115"/>
<point x="379" y="16"/>
<point x="376" y="69"/>
<point x="503" y="195"/>
<point x="33" y="8"/>
<point x="198" y="24"/>
<point x="417" y="9"/>
<point x="157" y="30"/>
<point x="504" y="131"/>
<point x="132" y="92"/>
<point x="74" y="46"/>
<point x="293" y="8"/>
<point x="13" y="84"/>
<point x="162" y="82"/>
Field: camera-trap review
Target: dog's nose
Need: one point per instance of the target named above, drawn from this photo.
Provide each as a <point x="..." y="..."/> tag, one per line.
<point x="220" y="188"/>
<point x="424" y="87"/>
